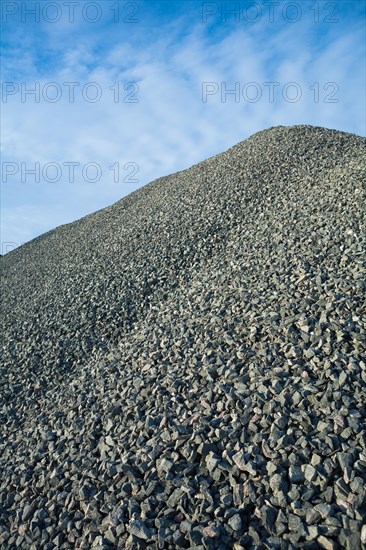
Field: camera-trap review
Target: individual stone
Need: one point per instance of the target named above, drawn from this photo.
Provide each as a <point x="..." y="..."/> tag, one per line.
<point x="342" y="378"/>
<point x="268" y="515"/>
<point x="276" y="482"/>
<point x="185" y="526"/>
<point x="363" y="534"/>
<point x="313" y="532"/>
<point x="315" y="460"/>
<point x="28" y="512"/>
<point x="109" y="441"/>
<point x="345" y="460"/>
<point x="310" y="472"/>
<point x="323" y="509"/>
<point x="174" y="498"/>
<point x="22" y="529"/>
<point x="239" y="460"/>
<point x="327" y="543"/>
<point x="164" y="466"/>
<point x="312" y="516"/>
<point x="139" y="529"/>
<point x="235" y="522"/>
<point x="212" y="461"/>
<point x="295" y="474"/>
<point x="211" y="531"/>
<point x="294" y="522"/>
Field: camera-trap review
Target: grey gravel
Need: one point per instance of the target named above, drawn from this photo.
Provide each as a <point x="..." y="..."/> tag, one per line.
<point x="186" y="368"/>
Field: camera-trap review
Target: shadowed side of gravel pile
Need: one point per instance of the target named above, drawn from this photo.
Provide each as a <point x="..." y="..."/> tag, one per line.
<point x="185" y="369"/>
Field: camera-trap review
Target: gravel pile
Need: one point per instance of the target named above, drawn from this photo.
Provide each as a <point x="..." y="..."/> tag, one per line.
<point x="186" y="368"/>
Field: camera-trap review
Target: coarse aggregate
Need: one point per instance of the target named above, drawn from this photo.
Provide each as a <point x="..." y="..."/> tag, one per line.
<point x="186" y="368"/>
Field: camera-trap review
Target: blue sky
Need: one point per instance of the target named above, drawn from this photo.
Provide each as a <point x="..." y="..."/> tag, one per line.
<point x="144" y="87"/>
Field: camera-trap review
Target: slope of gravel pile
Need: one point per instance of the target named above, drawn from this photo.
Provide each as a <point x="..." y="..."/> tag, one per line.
<point x="186" y="368"/>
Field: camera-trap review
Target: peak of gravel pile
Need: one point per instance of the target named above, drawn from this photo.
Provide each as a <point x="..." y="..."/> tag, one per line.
<point x="186" y="368"/>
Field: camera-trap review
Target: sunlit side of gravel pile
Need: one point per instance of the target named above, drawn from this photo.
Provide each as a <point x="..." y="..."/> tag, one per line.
<point x="186" y="368"/>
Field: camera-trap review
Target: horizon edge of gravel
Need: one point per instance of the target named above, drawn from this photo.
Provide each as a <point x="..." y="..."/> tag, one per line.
<point x="39" y="238"/>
